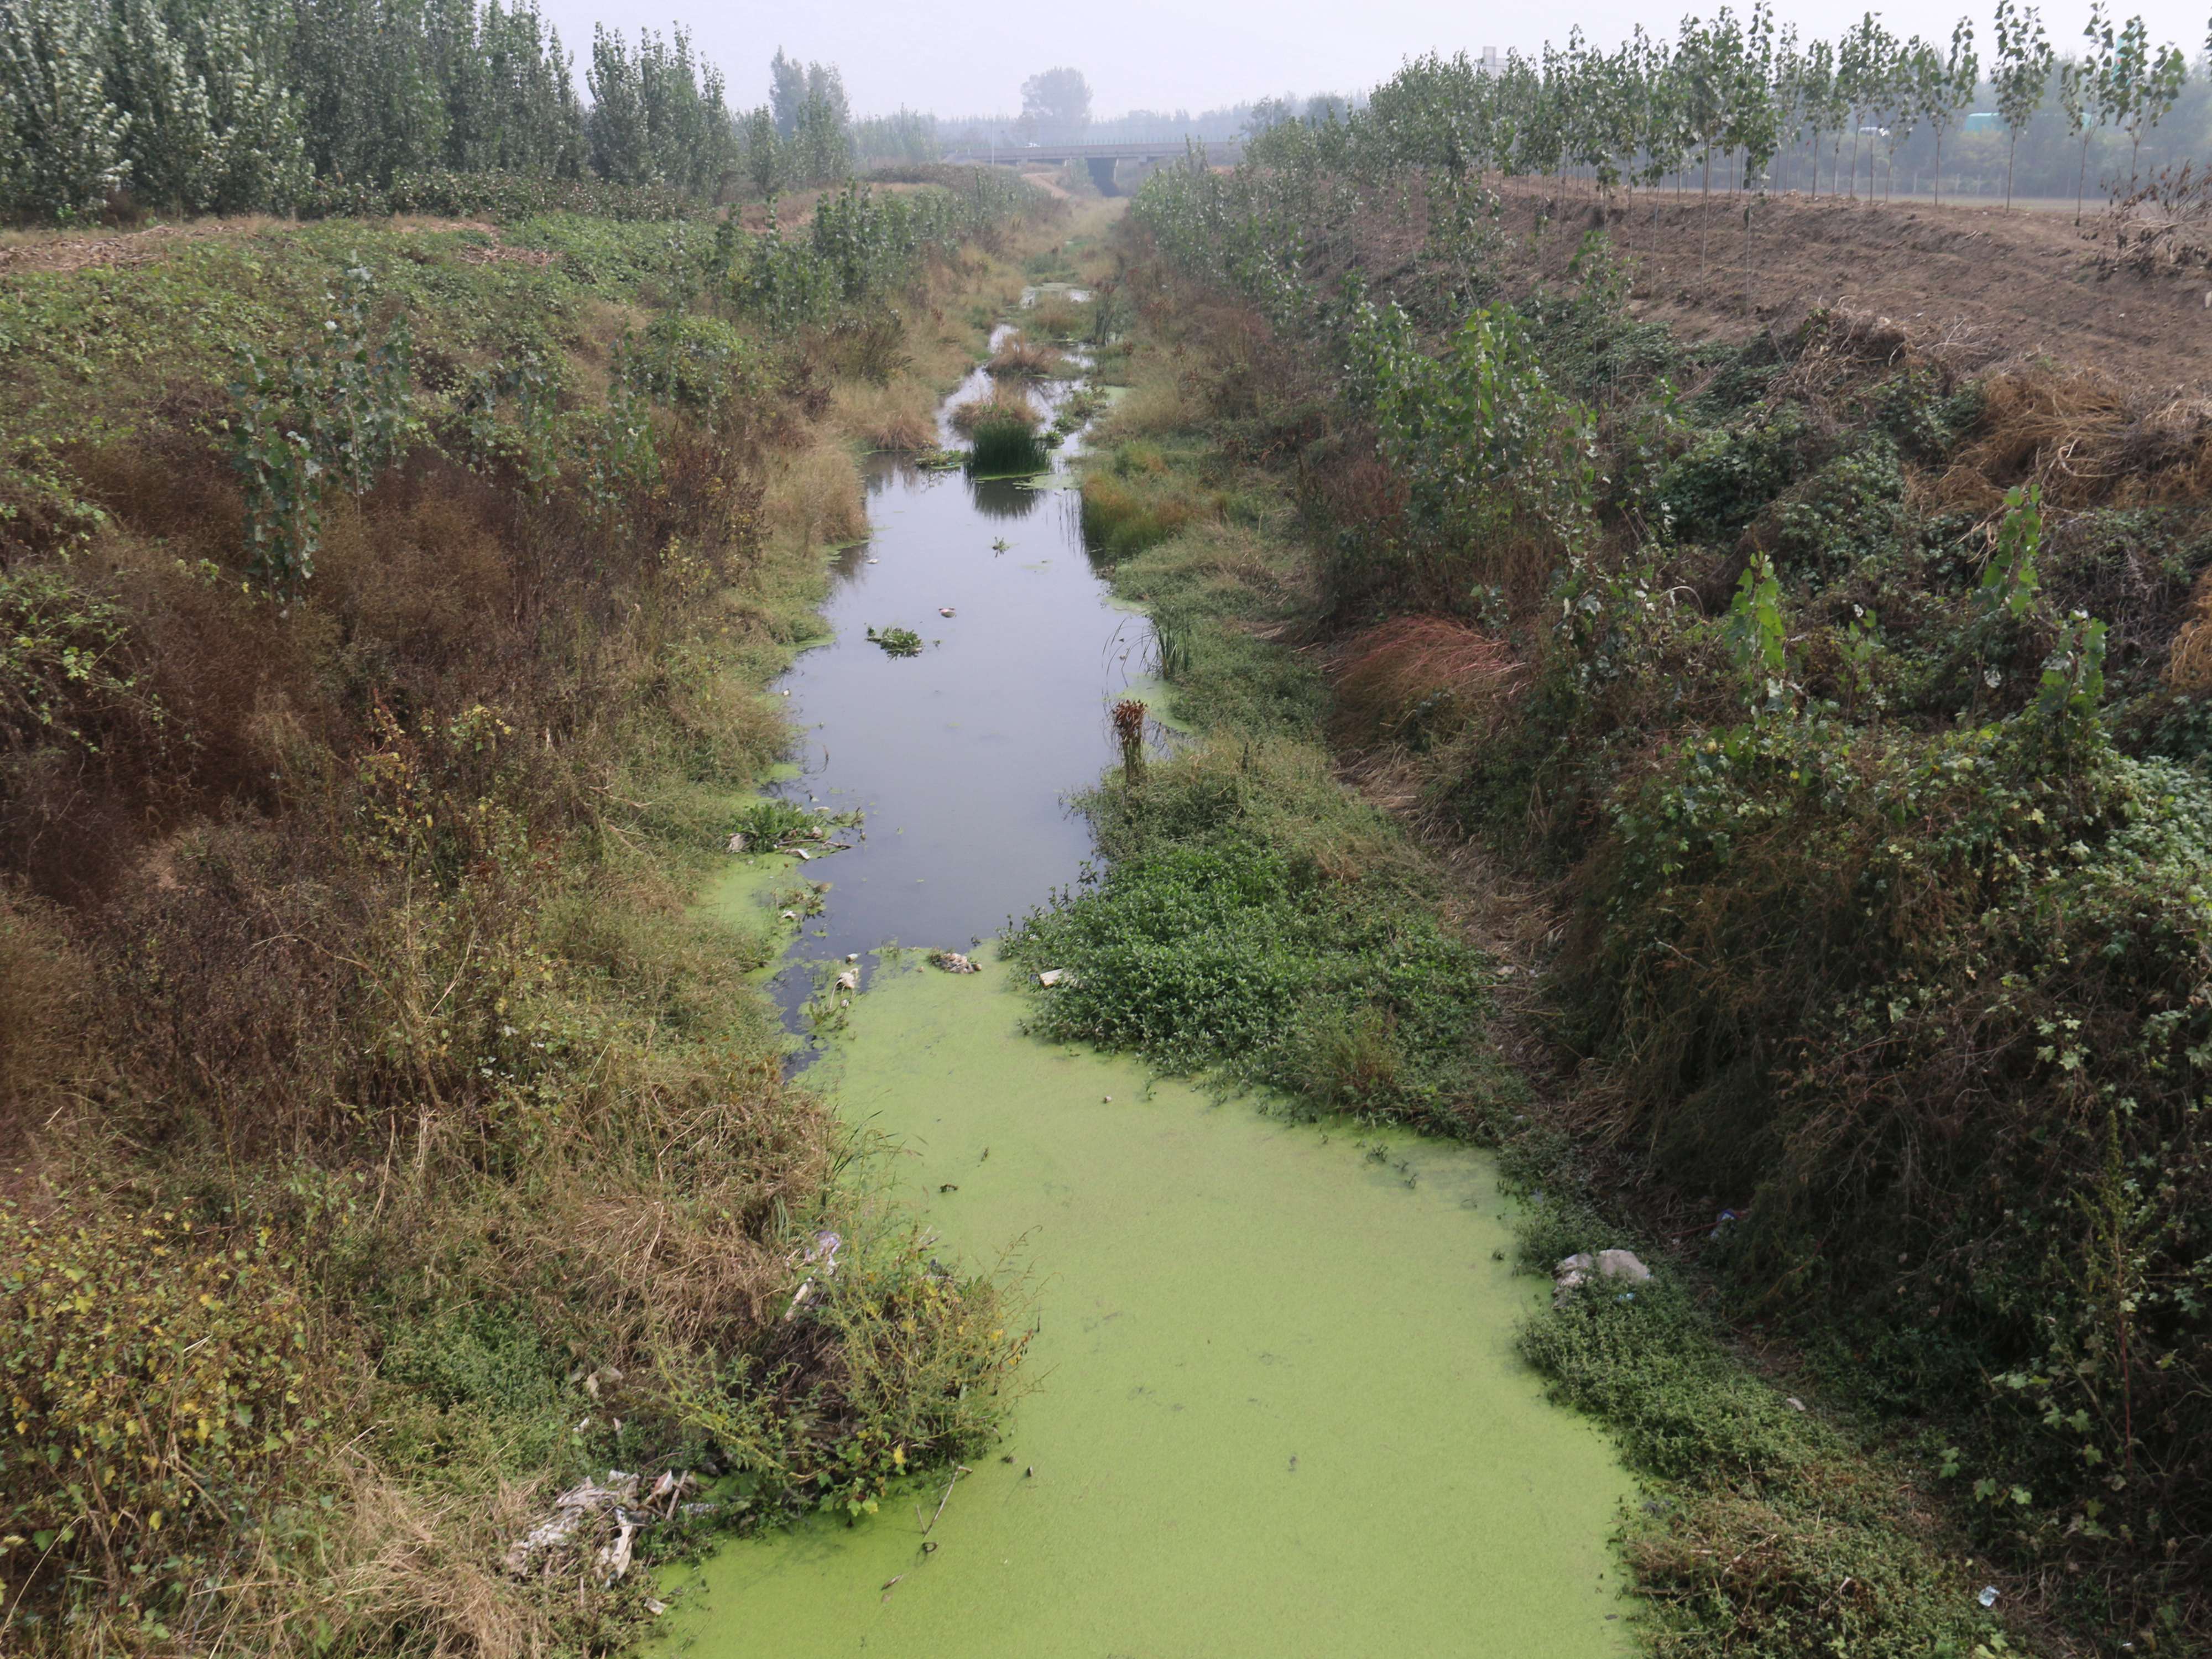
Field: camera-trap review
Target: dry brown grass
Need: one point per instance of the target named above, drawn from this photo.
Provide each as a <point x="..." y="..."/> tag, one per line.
<point x="1426" y="674"/>
<point x="428" y="1562"/>
<point x="45" y="996"/>
<point x="1020" y="358"/>
<point x="901" y="416"/>
<point x="2090" y="442"/>
<point x="1158" y="404"/>
<point x="815" y="495"/>
<point x="1004" y="403"/>
<point x="1058" y="317"/>
<point x="2189" y="663"/>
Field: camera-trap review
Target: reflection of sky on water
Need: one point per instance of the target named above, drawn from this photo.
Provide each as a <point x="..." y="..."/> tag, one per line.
<point x="961" y="757"/>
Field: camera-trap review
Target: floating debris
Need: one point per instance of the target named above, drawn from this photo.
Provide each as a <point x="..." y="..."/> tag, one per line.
<point x="953" y="963"/>
<point x="824" y="1258"/>
<point x="897" y="641"/>
<point x="944" y="609"/>
<point x="1582" y="1268"/>
<point x="1052" y="977"/>
<point x="849" y="980"/>
<point x="778" y="826"/>
<point x="586" y="1512"/>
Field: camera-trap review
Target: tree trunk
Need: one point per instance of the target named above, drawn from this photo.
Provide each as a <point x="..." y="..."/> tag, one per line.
<point x="1705" y="226"/>
<point x="2081" y="180"/>
<point x="2010" y="150"/>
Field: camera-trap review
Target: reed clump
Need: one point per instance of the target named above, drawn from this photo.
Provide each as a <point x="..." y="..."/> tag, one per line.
<point x="1002" y="403"/>
<point x="1005" y="445"/>
<point x="1058" y="317"/>
<point x="1020" y="358"/>
<point x="897" y="418"/>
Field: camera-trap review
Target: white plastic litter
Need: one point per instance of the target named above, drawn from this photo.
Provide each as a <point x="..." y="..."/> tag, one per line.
<point x="1583" y="1268"/>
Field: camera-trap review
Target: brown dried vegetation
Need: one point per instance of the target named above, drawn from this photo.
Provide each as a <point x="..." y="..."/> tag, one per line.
<point x="355" y="933"/>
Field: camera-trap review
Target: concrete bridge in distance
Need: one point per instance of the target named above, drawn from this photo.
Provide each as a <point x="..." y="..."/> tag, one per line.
<point x="1101" y="159"/>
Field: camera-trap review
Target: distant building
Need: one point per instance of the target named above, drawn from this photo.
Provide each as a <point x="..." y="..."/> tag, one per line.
<point x="1984" y="120"/>
<point x="1488" y="63"/>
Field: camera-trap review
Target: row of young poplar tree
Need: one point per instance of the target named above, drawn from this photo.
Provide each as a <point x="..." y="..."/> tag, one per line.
<point x="1748" y="88"/>
<point x="237" y="106"/>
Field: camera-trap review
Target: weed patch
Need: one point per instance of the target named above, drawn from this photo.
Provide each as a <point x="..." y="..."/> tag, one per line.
<point x="1232" y="935"/>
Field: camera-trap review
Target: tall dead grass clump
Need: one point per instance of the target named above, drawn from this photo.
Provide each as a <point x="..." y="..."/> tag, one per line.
<point x="815" y="495"/>
<point x="428" y="1562"/>
<point x="1020" y="358"/>
<point x="1159" y="404"/>
<point x="2189" y="659"/>
<point x="1416" y="679"/>
<point x="1057" y="316"/>
<point x="900" y="416"/>
<point x="1003" y="403"/>
<point x="2090" y="442"/>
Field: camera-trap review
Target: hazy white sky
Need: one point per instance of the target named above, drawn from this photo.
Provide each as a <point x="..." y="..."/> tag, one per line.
<point x="1162" y="54"/>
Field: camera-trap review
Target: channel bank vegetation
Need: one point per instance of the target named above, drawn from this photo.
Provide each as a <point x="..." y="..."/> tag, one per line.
<point x="386" y="1144"/>
<point x="1851" y="696"/>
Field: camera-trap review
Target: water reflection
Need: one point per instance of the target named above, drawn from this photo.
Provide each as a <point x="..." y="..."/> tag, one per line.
<point x="1003" y="498"/>
<point x="961" y="757"/>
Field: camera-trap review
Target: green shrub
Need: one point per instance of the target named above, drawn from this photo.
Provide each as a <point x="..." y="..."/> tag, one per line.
<point x="68" y="676"/>
<point x="1719" y="486"/>
<point x="166" y="1392"/>
<point x="700" y="364"/>
<point x="1953" y="1069"/>
<point x="1849" y="511"/>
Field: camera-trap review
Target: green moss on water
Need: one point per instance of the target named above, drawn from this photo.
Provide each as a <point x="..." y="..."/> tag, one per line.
<point x="1278" y="1405"/>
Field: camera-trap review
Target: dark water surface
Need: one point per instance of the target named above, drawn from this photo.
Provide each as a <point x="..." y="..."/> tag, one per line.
<point x="962" y="758"/>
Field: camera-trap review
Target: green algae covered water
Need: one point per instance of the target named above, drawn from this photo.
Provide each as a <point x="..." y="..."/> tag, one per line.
<point x="1274" y="1407"/>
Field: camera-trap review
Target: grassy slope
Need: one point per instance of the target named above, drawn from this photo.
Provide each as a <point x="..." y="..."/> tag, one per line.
<point x="1262" y="921"/>
<point x="388" y="1142"/>
<point x="1883" y="919"/>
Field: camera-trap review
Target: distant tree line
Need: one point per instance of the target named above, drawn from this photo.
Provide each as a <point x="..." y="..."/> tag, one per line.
<point x="1747" y="102"/>
<point x="236" y="106"/>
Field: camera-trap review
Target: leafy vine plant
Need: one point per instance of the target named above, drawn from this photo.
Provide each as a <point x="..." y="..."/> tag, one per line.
<point x="335" y="412"/>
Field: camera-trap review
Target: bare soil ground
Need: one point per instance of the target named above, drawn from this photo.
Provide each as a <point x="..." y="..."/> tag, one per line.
<point x="81" y="250"/>
<point x="1999" y="288"/>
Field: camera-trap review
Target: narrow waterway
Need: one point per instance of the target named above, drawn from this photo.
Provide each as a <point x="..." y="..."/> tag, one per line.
<point x="960" y="758"/>
<point x="1276" y="1407"/>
